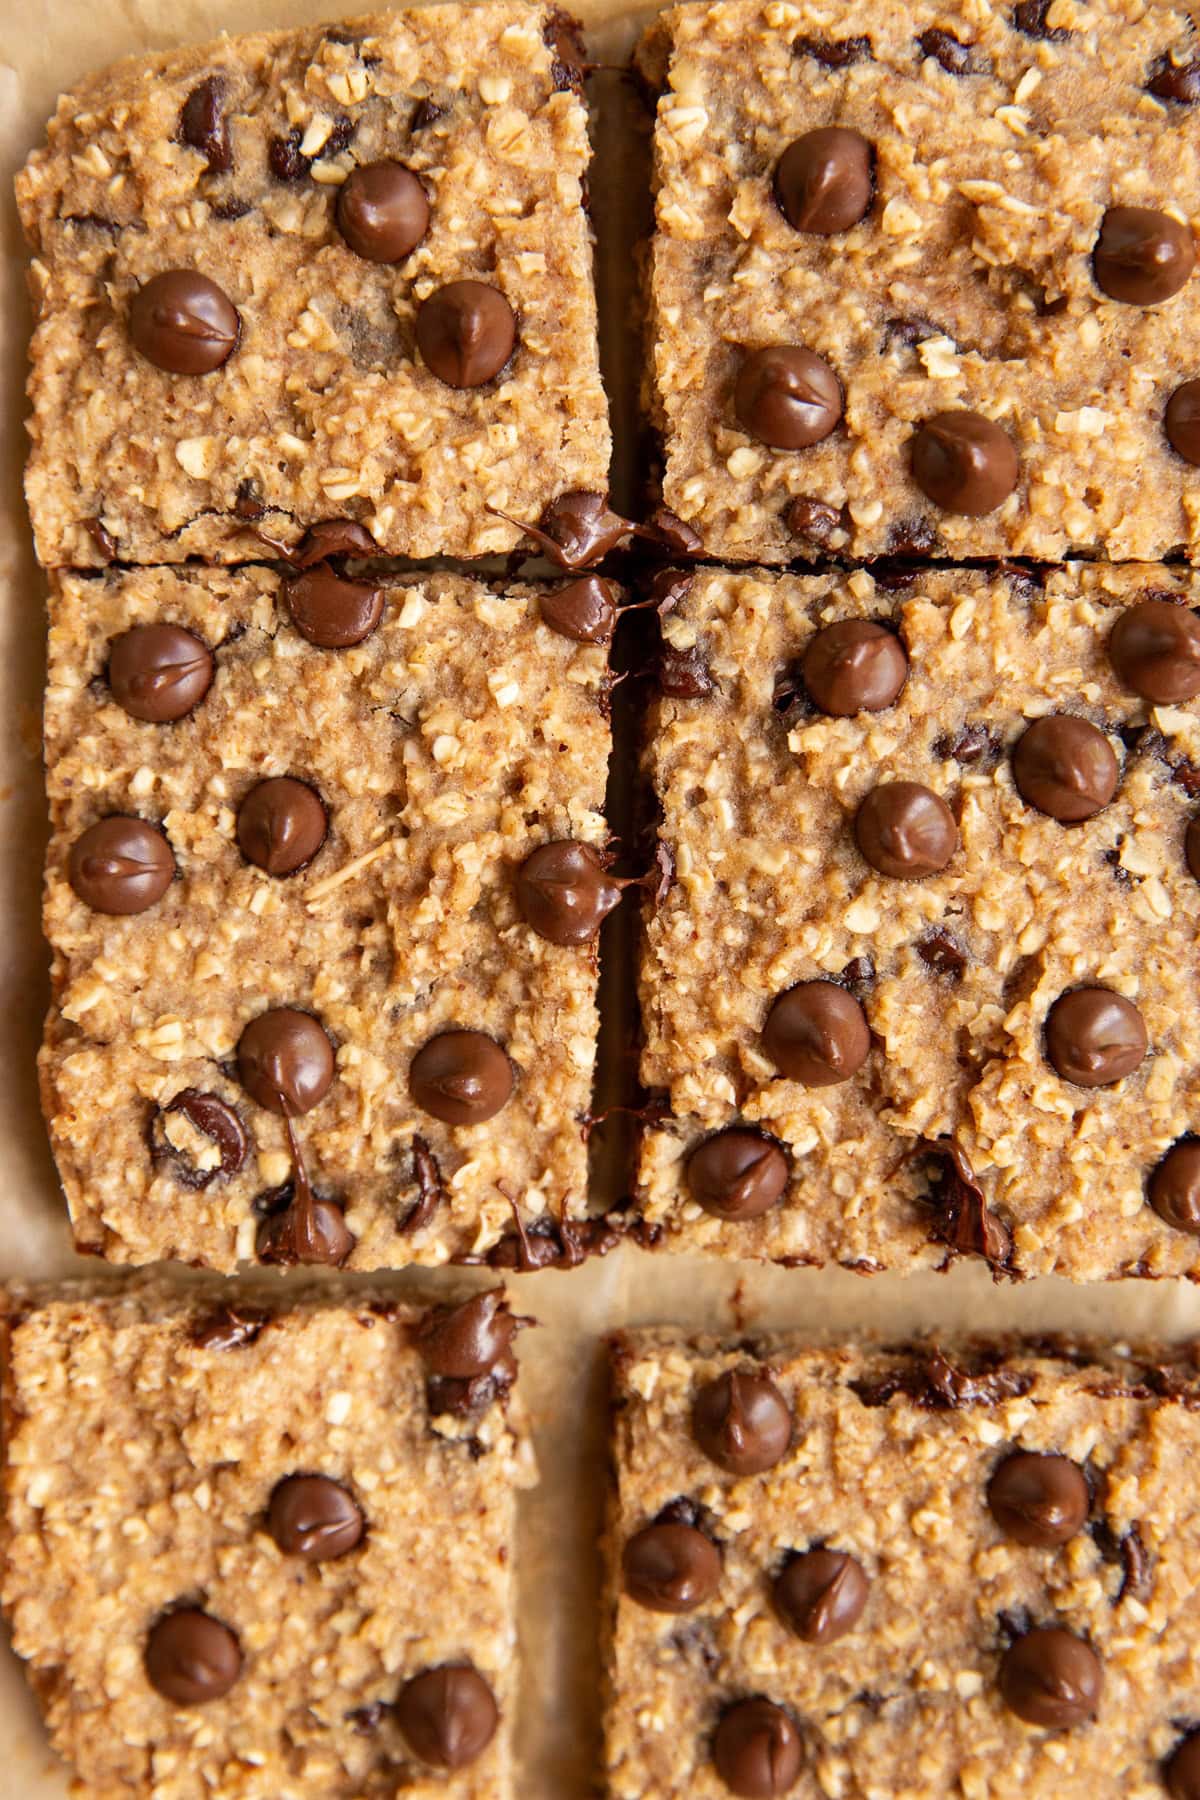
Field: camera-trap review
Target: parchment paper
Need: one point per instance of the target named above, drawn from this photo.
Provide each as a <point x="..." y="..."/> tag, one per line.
<point x="45" y="45"/>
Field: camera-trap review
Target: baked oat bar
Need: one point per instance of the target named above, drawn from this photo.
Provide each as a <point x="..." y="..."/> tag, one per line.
<point x="922" y="277"/>
<point x="325" y="878"/>
<point x="910" y="1572"/>
<point x="923" y="981"/>
<point x="340" y="270"/>
<point x="255" y="1549"/>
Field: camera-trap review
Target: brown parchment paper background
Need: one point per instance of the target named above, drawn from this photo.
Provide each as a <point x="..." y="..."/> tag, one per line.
<point x="45" y="45"/>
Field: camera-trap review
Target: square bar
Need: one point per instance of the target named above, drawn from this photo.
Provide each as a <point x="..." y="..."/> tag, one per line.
<point x="247" y="277"/>
<point x="913" y="1096"/>
<point x="328" y="844"/>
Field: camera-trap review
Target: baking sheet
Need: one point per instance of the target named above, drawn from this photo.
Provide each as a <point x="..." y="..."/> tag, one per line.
<point x="43" y="50"/>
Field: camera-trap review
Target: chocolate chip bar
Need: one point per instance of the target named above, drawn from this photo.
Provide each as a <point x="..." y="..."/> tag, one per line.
<point x="327" y="868"/>
<point x="904" y="1572"/>
<point x="234" y="1553"/>
<point x="339" y="271"/>
<point x="922" y="278"/>
<point x="922" y="983"/>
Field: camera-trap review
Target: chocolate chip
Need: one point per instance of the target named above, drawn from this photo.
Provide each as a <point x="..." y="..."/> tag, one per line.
<point x="942" y="953"/>
<point x="431" y="1191"/>
<point x="281" y="824"/>
<point x="248" y="503"/>
<point x="787" y="397"/>
<point x="382" y="212"/>
<point x="461" y="1077"/>
<point x="329" y="611"/>
<point x="158" y="673"/>
<point x="284" y="156"/>
<point x="448" y="1715"/>
<point x="212" y="1118"/>
<point x="964" y="463"/>
<point x="315" y="1518"/>
<point x="833" y="53"/>
<point x="825" y="180"/>
<point x="366" y="1720"/>
<point x="973" y="744"/>
<point x="1030" y="18"/>
<point x="121" y="865"/>
<point x="230" y="1328"/>
<point x="1142" y="256"/>
<point x="964" y="1220"/>
<point x="285" y="1061"/>
<point x="578" y="528"/>
<point x="684" y="674"/>
<point x="1182" y="422"/>
<point x="466" y="332"/>
<point x="1171" y="80"/>
<point x="1174" y="1187"/>
<point x="341" y="134"/>
<point x="565" y="892"/>
<point x="1181" y="1774"/>
<point x="742" y="1422"/>
<point x="854" y="665"/>
<point x="955" y="57"/>
<point x="584" y="610"/>
<point x="905" y="830"/>
<point x="310" y="1232"/>
<point x="1051" y="1677"/>
<point x="183" y="323"/>
<point x="671" y="1568"/>
<point x="737" y="1175"/>
<point x="1154" y="649"/>
<point x="1095" y="1037"/>
<point x="668" y="588"/>
<point x="426" y="113"/>
<point x="1039" y="1500"/>
<point x="674" y="533"/>
<point x="757" y="1750"/>
<point x="203" y="125"/>
<point x="816" y="1033"/>
<point x="859" y="972"/>
<point x="909" y="332"/>
<point x="1131" y="1555"/>
<point x="471" y="1342"/>
<point x="191" y="1657"/>
<point x="814" y="520"/>
<point x="912" y="537"/>
<point x="103" y="539"/>
<point x="333" y="537"/>
<point x="1065" y="767"/>
<point x="821" y="1594"/>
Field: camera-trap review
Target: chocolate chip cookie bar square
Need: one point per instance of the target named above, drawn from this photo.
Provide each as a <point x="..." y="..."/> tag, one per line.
<point x="907" y="1572"/>
<point x="254" y="1548"/>
<point x="329" y="272"/>
<point x="922" y="279"/>
<point x="326" y="873"/>
<point x="922" y="983"/>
